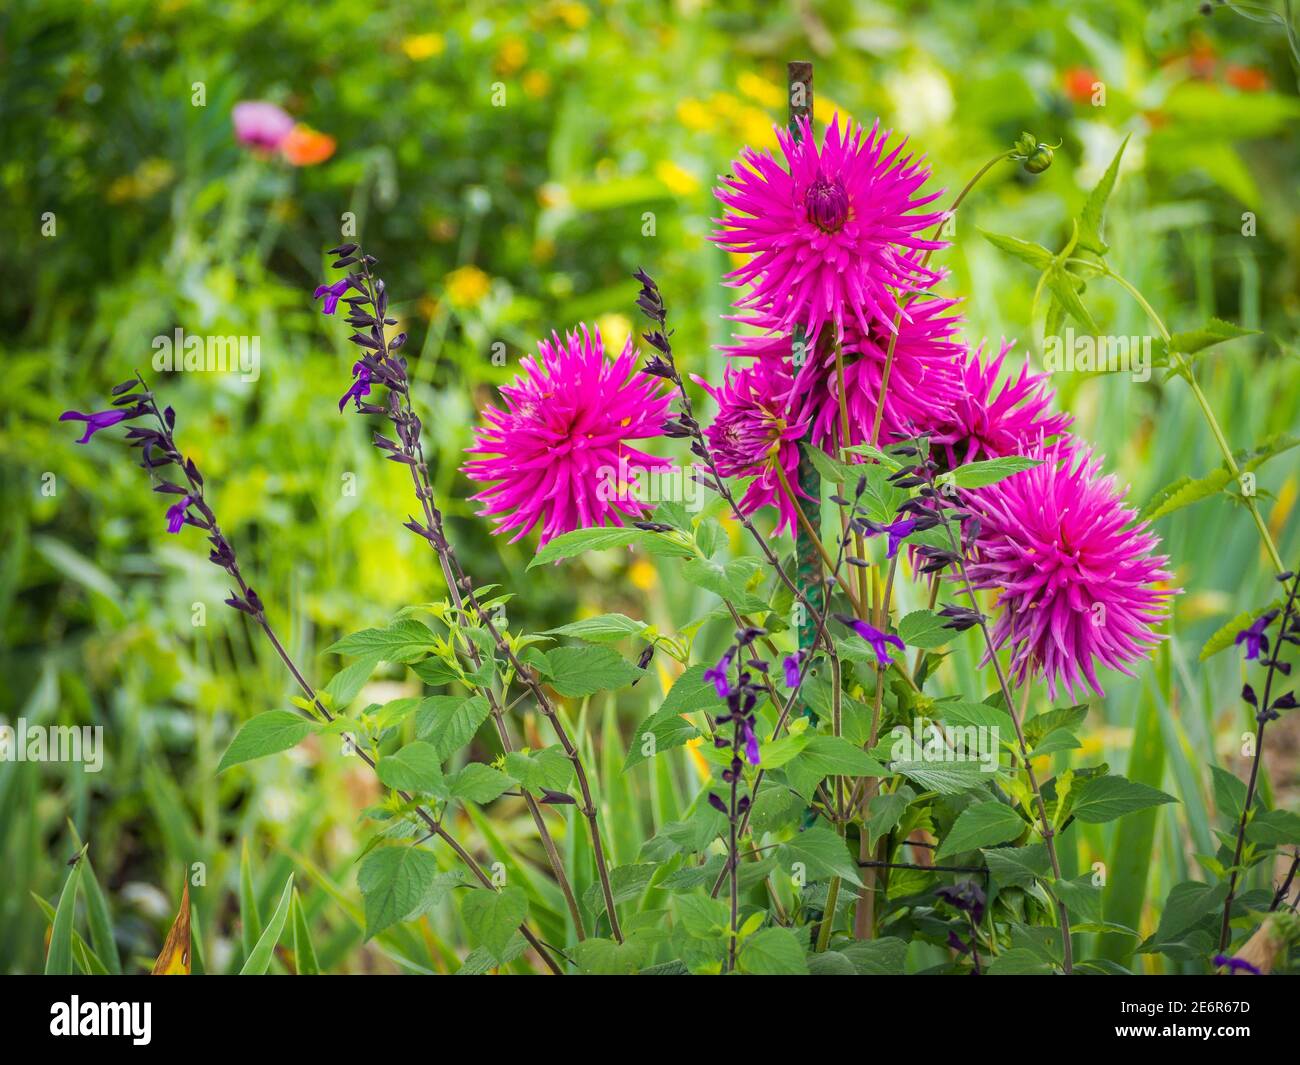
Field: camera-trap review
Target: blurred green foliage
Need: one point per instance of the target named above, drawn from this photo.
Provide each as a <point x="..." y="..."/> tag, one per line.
<point x="498" y="224"/>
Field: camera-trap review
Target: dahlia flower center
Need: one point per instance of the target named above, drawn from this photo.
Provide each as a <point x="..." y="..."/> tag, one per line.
<point x="826" y="204"/>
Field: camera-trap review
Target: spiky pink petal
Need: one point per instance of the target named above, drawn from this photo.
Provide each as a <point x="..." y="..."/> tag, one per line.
<point x="558" y="454"/>
<point x="833" y="234"/>
<point x="1078" y="579"/>
<point x="985" y="420"/>
<point x="754" y="433"/>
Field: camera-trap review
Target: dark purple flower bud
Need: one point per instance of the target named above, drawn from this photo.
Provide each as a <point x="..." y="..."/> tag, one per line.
<point x="826" y="204"/>
<point x="716" y="802"/>
<point x="1248" y="693"/>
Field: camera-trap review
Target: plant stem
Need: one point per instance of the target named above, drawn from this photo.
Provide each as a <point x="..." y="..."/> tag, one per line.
<point x="259" y="616"/>
<point x="1188" y="374"/>
<point x="1261" y="719"/>
<point x="403" y="415"/>
<point x="1046" y="830"/>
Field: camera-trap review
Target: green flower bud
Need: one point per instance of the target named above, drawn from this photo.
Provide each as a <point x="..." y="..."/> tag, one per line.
<point x="1039" y="159"/>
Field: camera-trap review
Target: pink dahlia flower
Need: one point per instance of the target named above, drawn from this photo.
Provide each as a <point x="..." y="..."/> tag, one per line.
<point x="1078" y="579"/>
<point x="558" y="454"/>
<point x="259" y="124"/>
<point x="832" y="234"/>
<point x="755" y="433"/>
<point x="987" y="421"/>
<point x="924" y="380"/>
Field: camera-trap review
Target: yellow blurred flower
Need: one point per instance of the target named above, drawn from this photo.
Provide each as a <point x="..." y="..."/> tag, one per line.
<point x="423" y="46"/>
<point x="614" y="329"/>
<point x="149" y="177"/>
<point x="678" y="181"/>
<point x="642" y="575"/>
<point x="512" y="55"/>
<point x="695" y="114"/>
<point x="467" y="286"/>
<point x="761" y="90"/>
<point x="572" y="14"/>
<point x="824" y="109"/>
<point x="537" y="83"/>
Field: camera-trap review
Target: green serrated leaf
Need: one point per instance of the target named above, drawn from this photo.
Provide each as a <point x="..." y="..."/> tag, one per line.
<point x="982" y="824"/>
<point x="266" y="734"/>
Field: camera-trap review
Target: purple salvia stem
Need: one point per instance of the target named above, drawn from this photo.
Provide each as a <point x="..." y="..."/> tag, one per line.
<point x="248" y="602"/>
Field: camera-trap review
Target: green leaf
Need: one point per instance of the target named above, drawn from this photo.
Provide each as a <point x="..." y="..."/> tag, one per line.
<point x="580" y="671"/>
<point x="604" y="957"/>
<point x="580" y="541"/>
<point x="885" y="811"/>
<point x="981" y="825"/>
<point x="58" y="960"/>
<point x="479" y="783"/>
<point x="101" y="921"/>
<point x="304" y="953"/>
<point x="450" y="721"/>
<point x="1026" y="251"/>
<point x="1183" y="493"/>
<point x="347" y="683"/>
<point x="1019" y="961"/>
<point x="549" y="768"/>
<point x="1270" y="828"/>
<point x="493" y="917"/>
<point x="393" y="883"/>
<point x="703" y="917"/>
<point x="268" y="733"/>
<point x="1229" y="794"/>
<point x="773" y="952"/>
<point x="250" y="920"/>
<point x="990" y="471"/>
<point x="260" y="959"/>
<point x="1018" y="866"/>
<point x="403" y="641"/>
<point x="1065" y="287"/>
<point x="661" y="731"/>
<point x="1215" y="331"/>
<point x="728" y="581"/>
<point x="979" y="715"/>
<point x="947" y="778"/>
<point x="1226" y="635"/>
<point x="416" y="768"/>
<point x="1105" y="798"/>
<point x="924" y="628"/>
<point x="1094" y="210"/>
<point x="824" y="756"/>
<point x="1081" y="897"/>
<point x="823" y="852"/>
<point x="1187" y="904"/>
<point x="607" y="628"/>
<point x="877" y="957"/>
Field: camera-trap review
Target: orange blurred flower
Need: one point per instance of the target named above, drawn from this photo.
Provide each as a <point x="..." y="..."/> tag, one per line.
<point x="1079" y="82"/>
<point x="305" y="146"/>
<point x="1247" y="79"/>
